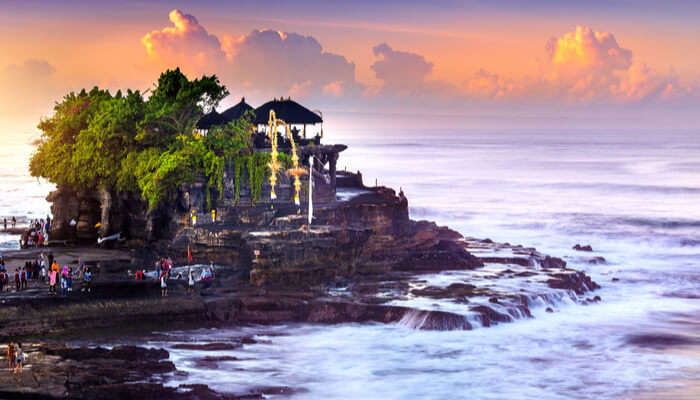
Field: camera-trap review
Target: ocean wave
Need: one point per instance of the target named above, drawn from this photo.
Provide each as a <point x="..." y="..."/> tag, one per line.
<point x="613" y="187"/>
<point x="664" y="223"/>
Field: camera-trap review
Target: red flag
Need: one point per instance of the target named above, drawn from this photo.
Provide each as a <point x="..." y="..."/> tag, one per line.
<point x="189" y="254"/>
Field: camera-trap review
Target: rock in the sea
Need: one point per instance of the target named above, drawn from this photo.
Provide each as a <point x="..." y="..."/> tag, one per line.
<point x="576" y="281"/>
<point x="579" y="247"/>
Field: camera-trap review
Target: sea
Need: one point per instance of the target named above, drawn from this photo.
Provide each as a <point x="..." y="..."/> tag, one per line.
<point x="632" y="194"/>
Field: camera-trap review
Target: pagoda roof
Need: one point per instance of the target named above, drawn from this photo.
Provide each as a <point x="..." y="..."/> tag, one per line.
<point x="287" y="110"/>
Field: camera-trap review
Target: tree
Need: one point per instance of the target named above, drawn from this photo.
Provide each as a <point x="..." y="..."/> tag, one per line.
<point x="124" y="142"/>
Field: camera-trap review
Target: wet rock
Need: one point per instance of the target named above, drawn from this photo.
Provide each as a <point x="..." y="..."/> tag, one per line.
<point x="576" y="281"/>
<point x="434" y="320"/>
<point x="549" y="310"/>
<point x="89" y="373"/>
<point x="212" y="362"/>
<point x="597" y="260"/>
<point x="248" y="340"/>
<point x="207" y="346"/>
<point x="489" y="316"/>
<point x="552" y="262"/>
<point x="579" y="247"/>
<point x="661" y="340"/>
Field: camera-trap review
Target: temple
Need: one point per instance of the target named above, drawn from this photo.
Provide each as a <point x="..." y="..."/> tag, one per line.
<point x="298" y="134"/>
<point x="304" y="132"/>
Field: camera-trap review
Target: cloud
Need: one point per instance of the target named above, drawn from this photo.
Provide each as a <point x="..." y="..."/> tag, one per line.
<point x="334" y="88"/>
<point x="269" y="63"/>
<point x="583" y="66"/>
<point x="580" y="66"/>
<point x="400" y="71"/>
<point x="186" y="44"/>
<point x="586" y="50"/>
<point x="285" y="62"/>
<point x="487" y="85"/>
<point x="28" y="88"/>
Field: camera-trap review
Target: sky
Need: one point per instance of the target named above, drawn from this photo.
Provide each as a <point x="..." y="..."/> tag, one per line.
<point x="619" y="64"/>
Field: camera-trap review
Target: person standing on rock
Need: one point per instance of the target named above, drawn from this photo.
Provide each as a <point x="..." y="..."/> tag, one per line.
<point x="14" y="222"/>
<point x="10" y="356"/>
<point x="4" y="222"/>
<point x="52" y="282"/>
<point x="69" y="280"/>
<point x="190" y="281"/>
<point x="163" y="285"/>
<point x="87" y="278"/>
<point x="23" y="278"/>
<point x="19" y="358"/>
<point x="64" y="284"/>
<point x="18" y="282"/>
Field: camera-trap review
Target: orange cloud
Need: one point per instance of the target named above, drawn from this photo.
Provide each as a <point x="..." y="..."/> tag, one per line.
<point x="582" y="66"/>
<point x="28" y="88"/>
<point x="267" y="62"/>
<point x="585" y="49"/>
<point x="484" y="84"/>
<point x="186" y="44"/>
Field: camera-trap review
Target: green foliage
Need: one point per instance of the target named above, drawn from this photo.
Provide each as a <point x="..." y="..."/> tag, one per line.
<point x="94" y="139"/>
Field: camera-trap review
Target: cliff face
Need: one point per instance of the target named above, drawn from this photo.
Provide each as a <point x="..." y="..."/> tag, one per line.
<point x="369" y="232"/>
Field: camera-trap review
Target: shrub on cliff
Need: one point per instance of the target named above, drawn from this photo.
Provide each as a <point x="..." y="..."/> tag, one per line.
<point x="129" y="143"/>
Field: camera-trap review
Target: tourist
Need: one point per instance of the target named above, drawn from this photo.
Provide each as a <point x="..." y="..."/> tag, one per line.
<point x="69" y="280"/>
<point x="163" y="285"/>
<point x="17" y="280"/>
<point x="52" y="282"/>
<point x="87" y="278"/>
<point x="19" y="358"/>
<point x="23" y="277"/>
<point x="5" y="278"/>
<point x="2" y="280"/>
<point x="43" y="271"/>
<point x="206" y="278"/>
<point x="211" y="268"/>
<point x="190" y="281"/>
<point x="4" y="222"/>
<point x="54" y="266"/>
<point x="14" y="222"/>
<point x="64" y="285"/>
<point x="10" y="356"/>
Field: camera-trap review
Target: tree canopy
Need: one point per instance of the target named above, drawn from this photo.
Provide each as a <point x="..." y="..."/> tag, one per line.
<point x="128" y="142"/>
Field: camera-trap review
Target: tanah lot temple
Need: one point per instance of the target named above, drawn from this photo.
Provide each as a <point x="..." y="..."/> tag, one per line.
<point x="280" y="185"/>
<point x="299" y="132"/>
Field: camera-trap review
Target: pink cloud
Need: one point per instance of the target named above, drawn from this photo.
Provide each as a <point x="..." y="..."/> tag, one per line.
<point x="186" y="44"/>
<point x="334" y="88"/>
<point x="273" y="60"/>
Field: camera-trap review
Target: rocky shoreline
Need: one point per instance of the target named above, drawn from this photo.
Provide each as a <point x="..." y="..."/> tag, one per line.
<point x="363" y="260"/>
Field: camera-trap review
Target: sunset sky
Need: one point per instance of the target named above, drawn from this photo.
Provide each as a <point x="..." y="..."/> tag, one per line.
<point x="626" y="59"/>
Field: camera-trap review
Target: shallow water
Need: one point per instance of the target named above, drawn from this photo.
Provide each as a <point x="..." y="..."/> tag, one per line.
<point x="634" y="196"/>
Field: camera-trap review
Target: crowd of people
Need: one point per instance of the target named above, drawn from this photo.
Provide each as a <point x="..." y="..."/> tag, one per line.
<point x="47" y="270"/>
<point x="164" y="271"/>
<point x="37" y="233"/>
